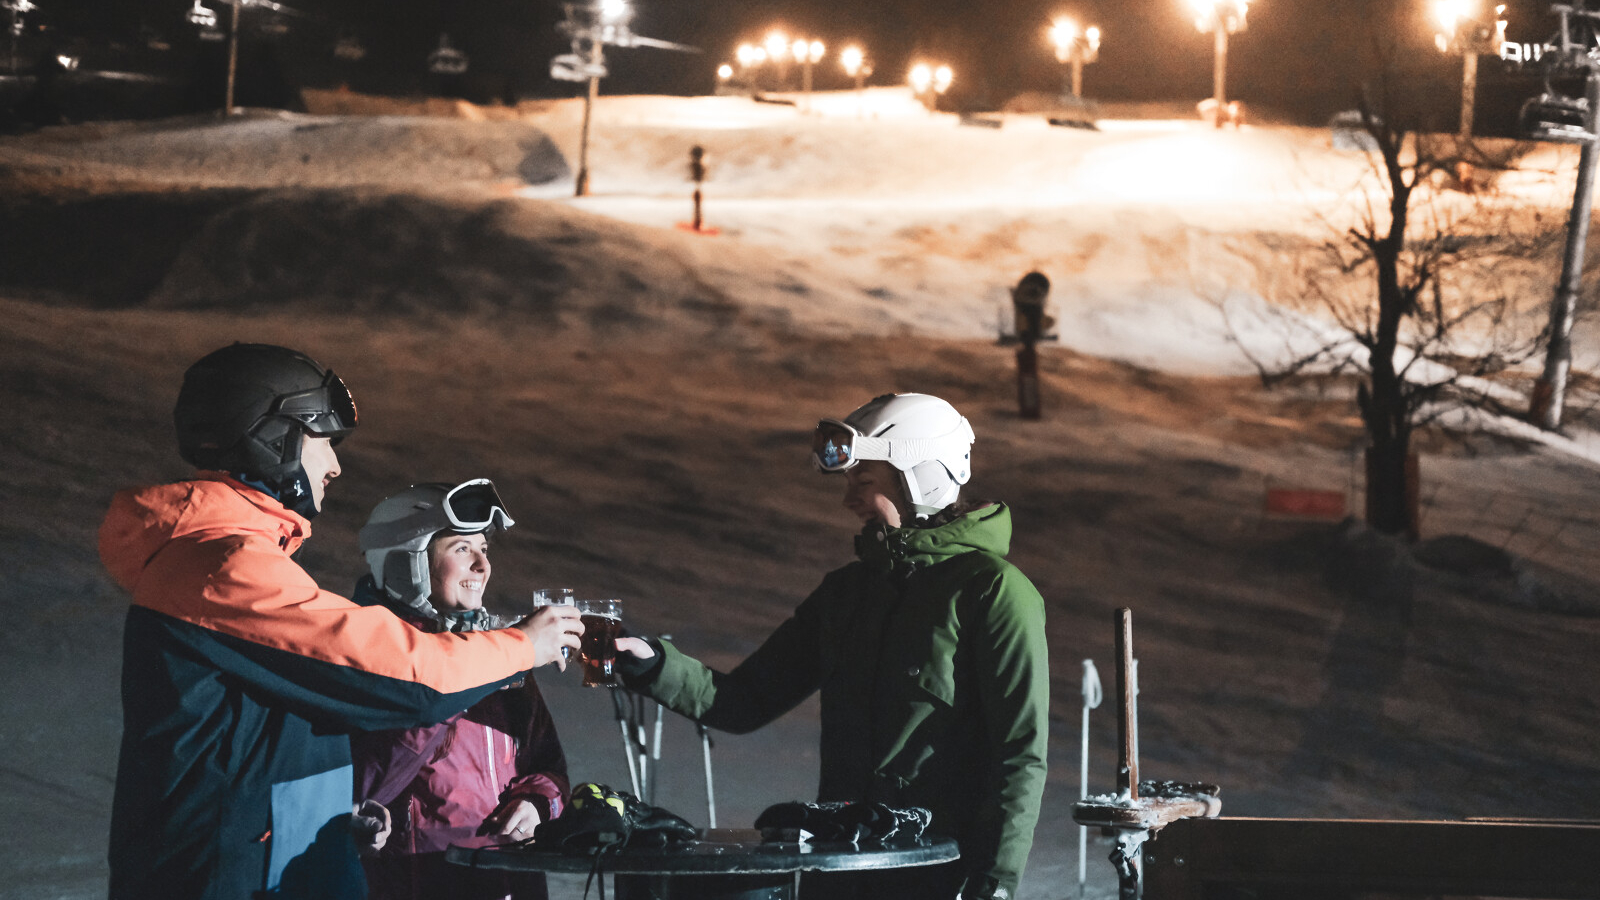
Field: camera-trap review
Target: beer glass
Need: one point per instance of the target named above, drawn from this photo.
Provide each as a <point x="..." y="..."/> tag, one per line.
<point x="554" y="597"/>
<point x="602" y="622"/>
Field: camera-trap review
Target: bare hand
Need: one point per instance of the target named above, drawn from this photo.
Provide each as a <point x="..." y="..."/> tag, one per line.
<point x="514" y="818"/>
<point x="551" y="628"/>
<point x="635" y="647"/>
<point x="370" y="825"/>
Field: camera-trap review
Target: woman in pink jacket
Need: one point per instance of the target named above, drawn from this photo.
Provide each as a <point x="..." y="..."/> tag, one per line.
<point x="496" y="768"/>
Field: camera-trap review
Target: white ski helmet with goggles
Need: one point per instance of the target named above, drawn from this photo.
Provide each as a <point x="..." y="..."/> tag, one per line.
<point x="923" y="437"/>
<point x="396" y="536"/>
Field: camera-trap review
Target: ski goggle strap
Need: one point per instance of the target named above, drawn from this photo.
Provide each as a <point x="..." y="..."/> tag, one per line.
<point x="475" y="505"/>
<point x="837" y="446"/>
<point x="326" y="410"/>
<point x="469" y="507"/>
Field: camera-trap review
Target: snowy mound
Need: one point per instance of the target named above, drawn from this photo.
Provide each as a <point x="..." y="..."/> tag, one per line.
<point x="273" y="149"/>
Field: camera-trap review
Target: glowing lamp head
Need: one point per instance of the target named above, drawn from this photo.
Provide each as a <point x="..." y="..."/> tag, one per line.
<point x="814" y="51"/>
<point x="724" y="72"/>
<point x="920" y="78"/>
<point x="942" y="77"/>
<point x="613" y="11"/>
<point x="850" y="58"/>
<point x="777" y="46"/>
<point x="1063" y="34"/>
<point x="1449" y="13"/>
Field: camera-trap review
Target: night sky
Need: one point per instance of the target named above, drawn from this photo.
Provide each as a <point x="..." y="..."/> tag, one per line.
<point x="1299" y="58"/>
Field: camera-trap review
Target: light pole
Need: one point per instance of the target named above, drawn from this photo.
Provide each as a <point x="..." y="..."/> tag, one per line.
<point x="855" y="63"/>
<point x="807" y="54"/>
<point x="777" y="47"/>
<point x="1221" y="18"/>
<point x="609" y="15"/>
<point x="928" y="81"/>
<point x="1075" y="47"/>
<point x="1562" y="118"/>
<point x="749" y="56"/>
<point x="1464" y="30"/>
<point x="16" y="8"/>
<point x="205" y="19"/>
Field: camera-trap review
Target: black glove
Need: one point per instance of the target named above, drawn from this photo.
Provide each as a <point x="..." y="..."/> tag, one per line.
<point x="598" y="817"/>
<point x="635" y="670"/>
<point x="854" y="823"/>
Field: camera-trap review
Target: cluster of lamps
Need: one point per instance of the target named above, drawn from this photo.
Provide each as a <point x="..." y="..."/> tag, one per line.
<point x="779" y="51"/>
<point x="929" y="80"/>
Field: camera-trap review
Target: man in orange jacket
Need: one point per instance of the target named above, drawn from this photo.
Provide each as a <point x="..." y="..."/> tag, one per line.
<point x="241" y="678"/>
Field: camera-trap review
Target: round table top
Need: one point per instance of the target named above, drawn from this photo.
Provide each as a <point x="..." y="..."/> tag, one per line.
<point x="723" y="851"/>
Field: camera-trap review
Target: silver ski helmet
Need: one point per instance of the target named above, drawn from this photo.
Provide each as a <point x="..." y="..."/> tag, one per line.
<point x="243" y="409"/>
<point x="922" y="436"/>
<point x="396" y="536"/>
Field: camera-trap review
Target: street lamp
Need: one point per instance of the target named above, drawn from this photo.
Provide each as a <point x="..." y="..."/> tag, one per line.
<point x="777" y="47"/>
<point x="1221" y="18"/>
<point x="610" y="17"/>
<point x="855" y="64"/>
<point x="807" y="54"/>
<point x="205" y="19"/>
<point x="1464" y="29"/>
<point x="928" y="82"/>
<point x="1075" y="47"/>
<point x="16" y="8"/>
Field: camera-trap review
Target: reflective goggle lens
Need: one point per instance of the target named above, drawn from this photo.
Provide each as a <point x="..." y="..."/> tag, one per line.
<point x="474" y="504"/>
<point x="832" y="447"/>
<point x="327" y="410"/>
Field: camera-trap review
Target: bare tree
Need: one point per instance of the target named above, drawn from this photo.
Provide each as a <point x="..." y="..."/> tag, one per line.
<point x="1417" y="292"/>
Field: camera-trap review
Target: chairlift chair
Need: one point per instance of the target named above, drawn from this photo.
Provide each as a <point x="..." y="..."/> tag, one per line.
<point x="202" y="16"/>
<point x="447" y="60"/>
<point x="1556" y="117"/>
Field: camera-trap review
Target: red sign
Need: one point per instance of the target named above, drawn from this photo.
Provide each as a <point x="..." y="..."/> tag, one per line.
<point x="1306" y="503"/>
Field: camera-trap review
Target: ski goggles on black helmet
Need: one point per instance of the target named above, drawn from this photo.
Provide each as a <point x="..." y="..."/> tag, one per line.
<point x="837" y="446"/>
<point x="326" y="410"/>
<point x="474" y="506"/>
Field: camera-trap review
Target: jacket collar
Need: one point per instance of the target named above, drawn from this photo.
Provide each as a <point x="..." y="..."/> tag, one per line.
<point x="986" y="528"/>
<point x="142" y="521"/>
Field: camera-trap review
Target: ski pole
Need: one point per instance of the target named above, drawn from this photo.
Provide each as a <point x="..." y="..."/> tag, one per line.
<point x="1092" y="695"/>
<point x="642" y="746"/>
<point x="711" y="796"/>
<point x="627" y="739"/>
<point x="655" y="756"/>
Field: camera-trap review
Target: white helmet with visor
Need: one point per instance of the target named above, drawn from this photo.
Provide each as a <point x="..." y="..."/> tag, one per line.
<point x="396" y="536"/>
<point x="922" y="436"/>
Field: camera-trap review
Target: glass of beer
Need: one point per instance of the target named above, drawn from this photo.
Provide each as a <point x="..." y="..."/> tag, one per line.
<point x="602" y="622"/>
<point x="554" y="597"/>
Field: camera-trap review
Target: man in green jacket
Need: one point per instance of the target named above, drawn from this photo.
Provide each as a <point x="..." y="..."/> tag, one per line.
<point x="929" y="652"/>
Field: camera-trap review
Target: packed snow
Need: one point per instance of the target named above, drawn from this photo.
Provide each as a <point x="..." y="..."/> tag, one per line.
<point x="642" y="395"/>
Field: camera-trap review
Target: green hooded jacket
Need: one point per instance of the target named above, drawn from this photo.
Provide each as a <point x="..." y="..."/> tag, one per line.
<point x="930" y="654"/>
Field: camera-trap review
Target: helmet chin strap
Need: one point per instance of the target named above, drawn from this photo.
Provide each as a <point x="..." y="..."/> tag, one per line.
<point x="296" y="494"/>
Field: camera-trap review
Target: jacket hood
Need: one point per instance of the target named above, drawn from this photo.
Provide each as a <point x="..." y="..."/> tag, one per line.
<point x="986" y="528"/>
<point x="143" y="520"/>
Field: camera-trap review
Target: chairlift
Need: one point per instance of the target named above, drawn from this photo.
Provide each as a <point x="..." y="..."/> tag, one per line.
<point x="445" y="59"/>
<point x="575" y="67"/>
<point x="273" y="25"/>
<point x="349" y="48"/>
<point x="203" y="17"/>
<point x="1556" y="117"/>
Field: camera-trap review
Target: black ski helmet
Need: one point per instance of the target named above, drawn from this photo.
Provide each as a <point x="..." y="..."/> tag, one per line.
<point x="244" y="408"/>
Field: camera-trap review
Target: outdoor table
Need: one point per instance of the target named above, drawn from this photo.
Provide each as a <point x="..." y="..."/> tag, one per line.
<point x="724" y="864"/>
